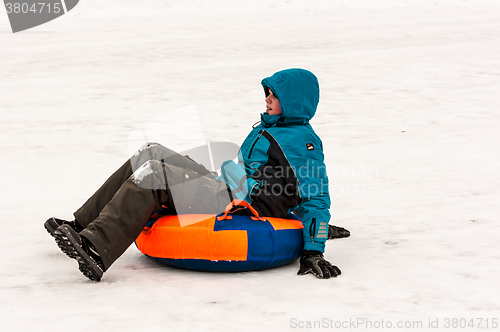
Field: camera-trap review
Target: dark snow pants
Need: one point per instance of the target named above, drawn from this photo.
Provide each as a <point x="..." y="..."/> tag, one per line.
<point x="118" y="211"/>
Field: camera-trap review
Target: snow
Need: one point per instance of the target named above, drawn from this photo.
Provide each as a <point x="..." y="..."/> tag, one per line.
<point x="143" y="171"/>
<point x="409" y="121"/>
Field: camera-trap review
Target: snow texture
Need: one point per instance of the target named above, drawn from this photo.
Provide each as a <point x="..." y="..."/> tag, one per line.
<point x="143" y="171"/>
<point x="408" y="117"/>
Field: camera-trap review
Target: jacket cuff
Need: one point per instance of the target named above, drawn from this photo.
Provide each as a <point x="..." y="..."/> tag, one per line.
<point x="318" y="246"/>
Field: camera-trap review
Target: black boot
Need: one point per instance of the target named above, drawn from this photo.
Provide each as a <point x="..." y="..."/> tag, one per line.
<point x="81" y="249"/>
<point x="335" y="232"/>
<point x="53" y="223"/>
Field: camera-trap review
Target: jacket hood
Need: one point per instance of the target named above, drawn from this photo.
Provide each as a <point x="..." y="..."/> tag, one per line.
<point x="298" y="93"/>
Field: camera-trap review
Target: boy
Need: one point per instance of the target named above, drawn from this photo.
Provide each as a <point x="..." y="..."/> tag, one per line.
<point x="280" y="169"/>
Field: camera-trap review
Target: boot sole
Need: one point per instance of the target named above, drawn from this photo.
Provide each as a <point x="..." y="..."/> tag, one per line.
<point x="70" y="246"/>
<point x="50" y="227"/>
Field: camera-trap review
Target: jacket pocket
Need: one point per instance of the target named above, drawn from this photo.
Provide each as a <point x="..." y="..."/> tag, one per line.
<point x="312" y="229"/>
<point x="255" y="142"/>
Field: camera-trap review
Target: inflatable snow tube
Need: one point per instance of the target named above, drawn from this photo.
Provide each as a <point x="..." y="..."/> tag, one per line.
<point x="223" y="243"/>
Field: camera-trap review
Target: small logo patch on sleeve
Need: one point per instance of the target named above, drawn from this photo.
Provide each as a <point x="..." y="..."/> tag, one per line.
<point x="310" y="146"/>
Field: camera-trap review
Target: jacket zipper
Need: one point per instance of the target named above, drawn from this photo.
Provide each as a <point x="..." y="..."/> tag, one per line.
<point x="312" y="229"/>
<point x="255" y="142"/>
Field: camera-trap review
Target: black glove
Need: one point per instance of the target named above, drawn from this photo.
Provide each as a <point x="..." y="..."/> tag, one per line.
<point x="335" y="232"/>
<point x="313" y="262"/>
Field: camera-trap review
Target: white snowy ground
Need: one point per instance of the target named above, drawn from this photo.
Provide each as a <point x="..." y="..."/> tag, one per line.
<point x="409" y="117"/>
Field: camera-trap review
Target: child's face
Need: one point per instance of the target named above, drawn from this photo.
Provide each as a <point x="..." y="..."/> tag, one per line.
<point x="272" y="104"/>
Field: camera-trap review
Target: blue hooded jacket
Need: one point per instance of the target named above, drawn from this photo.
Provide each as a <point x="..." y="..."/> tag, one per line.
<point x="281" y="166"/>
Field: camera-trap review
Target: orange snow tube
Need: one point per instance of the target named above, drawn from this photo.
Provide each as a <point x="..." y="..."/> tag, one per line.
<point x="224" y="242"/>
